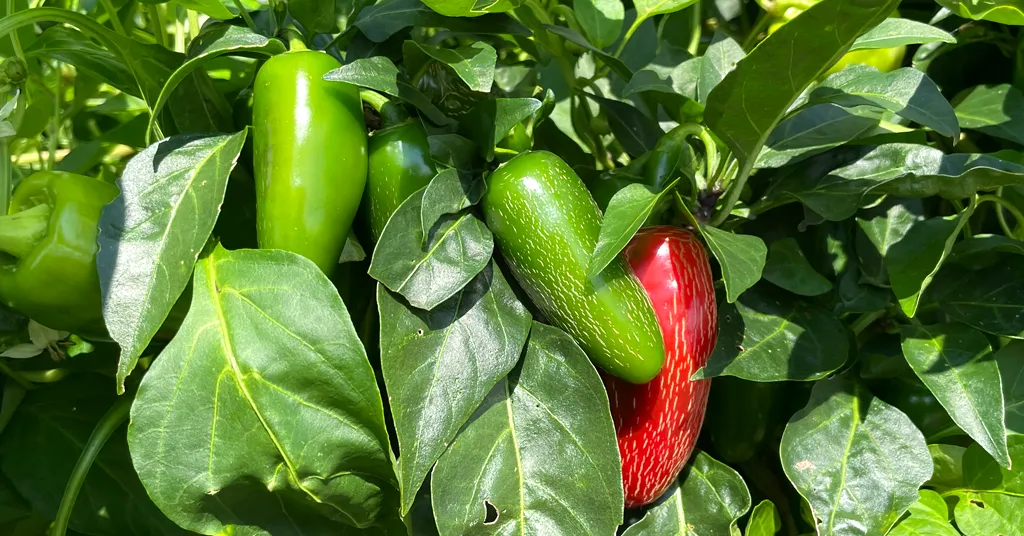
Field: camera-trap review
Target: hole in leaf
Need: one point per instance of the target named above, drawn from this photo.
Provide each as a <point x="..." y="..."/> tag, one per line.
<point x="978" y="503"/>
<point x="491" y="516"/>
<point x="419" y="332"/>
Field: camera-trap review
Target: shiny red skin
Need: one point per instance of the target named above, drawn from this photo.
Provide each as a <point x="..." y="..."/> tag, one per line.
<point x="657" y="423"/>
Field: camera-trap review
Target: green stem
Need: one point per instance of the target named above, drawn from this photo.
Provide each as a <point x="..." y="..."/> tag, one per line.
<point x="20" y="233"/>
<point x="1013" y="210"/>
<point x="629" y="33"/>
<point x="5" y="175"/>
<point x="15" y="40"/>
<point x="391" y="113"/>
<point x="156" y="24"/>
<point x="865" y="320"/>
<point x="55" y="122"/>
<point x="245" y="15"/>
<point x="16" y="376"/>
<point x="179" y="29"/>
<point x="294" y="38"/>
<point x="695" y="28"/>
<point x="115" y="21"/>
<point x="111" y="421"/>
<point x="193" y="24"/>
<point x="734" y="192"/>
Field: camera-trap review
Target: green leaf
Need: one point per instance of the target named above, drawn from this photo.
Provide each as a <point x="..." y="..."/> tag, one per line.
<point x="488" y="121"/>
<point x="1001" y="11"/>
<point x="955" y="362"/>
<point x="316" y="16"/>
<point x="387" y="17"/>
<point x="823" y="33"/>
<point x="69" y="45"/>
<point x="928" y="516"/>
<point x="764" y="338"/>
<point x="991" y="500"/>
<point x="51" y="426"/>
<point x="948" y="472"/>
<point x="211" y="8"/>
<point x="906" y="92"/>
<point x="894" y="32"/>
<point x="285" y="423"/>
<point x="879" y="229"/>
<point x="471" y="8"/>
<point x="812" y="130"/>
<point x="646" y="9"/>
<point x="627" y="211"/>
<point x="978" y="244"/>
<point x="718" y="60"/>
<point x="706" y="500"/>
<point x="429" y="269"/>
<point x="216" y="39"/>
<point x="439" y="365"/>
<point x="575" y="37"/>
<point x="635" y="131"/>
<point x="152" y="233"/>
<point x="741" y="257"/>
<point x="601" y="20"/>
<point x="764" y="520"/>
<point x="899" y="169"/>
<point x="990" y="299"/>
<point x="995" y="110"/>
<point x="474" y="63"/>
<point x="787" y="267"/>
<point x="672" y="71"/>
<point x="516" y="450"/>
<point x="913" y="261"/>
<point x="1010" y="359"/>
<point x="378" y="73"/>
<point x="448" y="193"/>
<point x="857" y="460"/>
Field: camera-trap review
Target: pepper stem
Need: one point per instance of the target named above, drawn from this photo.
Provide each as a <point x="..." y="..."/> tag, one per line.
<point x="20" y="233"/>
<point x="391" y="113"/>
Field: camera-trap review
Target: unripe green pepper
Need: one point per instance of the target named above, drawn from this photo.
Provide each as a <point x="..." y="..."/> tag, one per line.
<point x="546" y="226"/>
<point x="51" y="236"/>
<point x="310" y="156"/>
<point x="399" y="165"/>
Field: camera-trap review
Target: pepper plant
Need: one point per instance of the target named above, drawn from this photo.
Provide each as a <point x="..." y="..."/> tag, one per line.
<point x="416" y="267"/>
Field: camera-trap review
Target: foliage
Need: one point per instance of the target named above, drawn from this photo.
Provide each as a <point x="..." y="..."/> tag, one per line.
<point x="866" y="230"/>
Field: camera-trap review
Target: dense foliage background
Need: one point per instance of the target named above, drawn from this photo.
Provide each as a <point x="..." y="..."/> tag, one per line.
<point x="866" y="230"/>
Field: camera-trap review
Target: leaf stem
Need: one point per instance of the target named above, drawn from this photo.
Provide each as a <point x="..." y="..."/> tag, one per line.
<point x="14" y="375"/>
<point x="111" y="421"/>
<point x="1013" y="210"/>
<point x="15" y="40"/>
<point x="696" y="23"/>
<point x="863" y="321"/>
<point x="156" y="23"/>
<point x="629" y="33"/>
<point x="193" y="24"/>
<point x="115" y="20"/>
<point x="734" y="191"/>
<point x="245" y="15"/>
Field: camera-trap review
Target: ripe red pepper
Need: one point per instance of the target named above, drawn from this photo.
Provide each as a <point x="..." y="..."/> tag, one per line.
<point x="657" y="423"/>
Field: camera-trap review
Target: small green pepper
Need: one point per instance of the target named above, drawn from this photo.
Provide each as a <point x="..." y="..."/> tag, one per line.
<point x="546" y="225"/>
<point x="310" y="156"/>
<point x="399" y="165"/>
<point x="51" y="235"/>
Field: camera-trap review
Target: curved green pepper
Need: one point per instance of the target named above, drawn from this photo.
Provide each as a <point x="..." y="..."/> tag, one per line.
<point x="310" y="156"/>
<point x="742" y="416"/>
<point x="546" y="225"/>
<point x="51" y="235"/>
<point x="399" y="165"/>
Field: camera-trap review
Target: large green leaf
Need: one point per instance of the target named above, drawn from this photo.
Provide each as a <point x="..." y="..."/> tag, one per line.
<point x="474" y="63"/>
<point x="745" y="107"/>
<point x="990" y="299"/>
<point x="380" y="74"/>
<point x="1011" y="369"/>
<point x="955" y="362"/>
<point x="764" y="337"/>
<point x="429" y="269"/>
<point x="52" y="426"/>
<point x="601" y="20"/>
<point x="385" y="18"/>
<point x="256" y="416"/>
<point x="812" y="130"/>
<point x="906" y="92"/>
<point x="151" y="234"/>
<point x="992" y="499"/>
<point x="449" y="192"/>
<point x="900" y="169"/>
<point x="706" y="500"/>
<point x="72" y="46"/>
<point x="928" y="516"/>
<point x="878" y="229"/>
<point x="913" y="261"/>
<point x="439" y="365"/>
<point x="531" y="458"/>
<point x="857" y="460"/>
<point x="627" y="211"/>
<point x="488" y="121"/>
<point x="788" y="268"/>
<point x="995" y="110"/>
<point x="1002" y="11"/>
<point x="764" y="520"/>
<point x="741" y="257"/>
<point x="894" y="32"/>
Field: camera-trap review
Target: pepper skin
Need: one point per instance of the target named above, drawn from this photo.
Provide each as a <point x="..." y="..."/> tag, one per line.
<point x="546" y="226"/>
<point x="51" y="234"/>
<point x="400" y="164"/>
<point x="310" y="157"/>
<point x="657" y="423"/>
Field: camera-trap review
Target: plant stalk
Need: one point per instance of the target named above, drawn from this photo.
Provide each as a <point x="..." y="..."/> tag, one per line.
<point x="111" y="421"/>
<point x="115" y="20"/>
